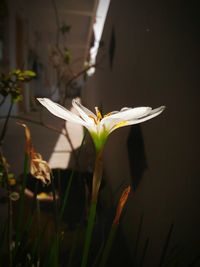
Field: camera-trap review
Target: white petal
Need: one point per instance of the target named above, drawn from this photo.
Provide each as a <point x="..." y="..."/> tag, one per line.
<point x="153" y="113"/>
<point x="126" y="114"/>
<point x="84" y="112"/>
<point x="131" y="113"/>
<point x="112" y="124"/>
<point x="109" y="123"/>
<point x="60" y="111"/>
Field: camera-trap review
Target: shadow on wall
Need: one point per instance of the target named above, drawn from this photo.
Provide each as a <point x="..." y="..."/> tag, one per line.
<point x="136" y="154"/>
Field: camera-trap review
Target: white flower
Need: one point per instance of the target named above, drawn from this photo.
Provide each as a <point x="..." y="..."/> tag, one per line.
<point x="101" y="126"/>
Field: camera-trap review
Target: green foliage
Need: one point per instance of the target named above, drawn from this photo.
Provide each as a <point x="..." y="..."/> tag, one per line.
<point x="11" y="84"/>
<point x="65" y="28"/>
<point x="5" y="175"/>
<point x="67" y="56"/>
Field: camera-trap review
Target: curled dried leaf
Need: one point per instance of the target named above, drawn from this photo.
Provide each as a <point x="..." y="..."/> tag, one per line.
<point x="121" y="204"/>
<point x="27" y="137"/>
<point x="39" y="168"/>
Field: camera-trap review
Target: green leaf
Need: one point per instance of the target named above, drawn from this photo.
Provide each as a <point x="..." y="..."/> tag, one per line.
<point x="65" y="29"/>
<point x="67" y="56"/>
<point x="29" y="73"/>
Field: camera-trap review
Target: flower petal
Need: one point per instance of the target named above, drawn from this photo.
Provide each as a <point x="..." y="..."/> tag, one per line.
<point x="154" y="113"/>
<point x="85" y="113"/>
<point x="130" y="113"/>
<point x="118" y="118"/>
<point x="60" y="111"/>
<point x="112" y="124"/>
<point x="108" y="123"/>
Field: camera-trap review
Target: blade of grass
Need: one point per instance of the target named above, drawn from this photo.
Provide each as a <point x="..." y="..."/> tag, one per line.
<point x="120" y="208"/>
<point x="144" y="252"/>
<point x="37" y="243"/>
<point x="98" y="256"/>
<point x="54" y="251"/>
<point x="73" y="248"/>
<point x="173" y="255"/>
<point x="10" y="216"/>
<point x="195" y="261"/>
<point x="108" y="245"/>
<point x="2" y="243"/>
<point x="21" y="203"/>
<point x="166" y="244"/>
<point x="5" y="126"/>
<point x="89" y="230"/>
<point x="138" y="240"/>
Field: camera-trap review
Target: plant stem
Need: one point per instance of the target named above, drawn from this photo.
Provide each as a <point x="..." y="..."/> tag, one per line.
<point x="57" y="23"/>
<point x="3" y="132"/>
<point x="90" y="226"/>
<point x="3" y="100"/>
<point x="97" y="176"/>
<point x="108" y="245"/>
<point x="21" y="202"/>
<point x="10" y="212"/>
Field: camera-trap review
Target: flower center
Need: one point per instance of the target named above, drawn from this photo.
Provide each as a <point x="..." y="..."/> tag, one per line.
<point x="98" y="113"/>
<point x="98" y="117"/>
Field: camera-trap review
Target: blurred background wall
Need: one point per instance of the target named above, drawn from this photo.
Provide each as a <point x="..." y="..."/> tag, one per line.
<point x="150" y="57"/>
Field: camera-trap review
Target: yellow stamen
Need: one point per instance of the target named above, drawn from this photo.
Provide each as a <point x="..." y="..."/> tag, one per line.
<point x="99" y="116"/>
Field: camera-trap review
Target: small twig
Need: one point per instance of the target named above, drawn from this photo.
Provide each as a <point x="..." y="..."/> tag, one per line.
<point x="3" y="100"/>
<point x="71" y="145"/>
<point x="78" y="74"/>
<point x="10" y="212"/>
<point x="3" y="133"/>
<point x="41" y="123"/>
<point x="35" y="122"/>
<point x="57" y="23"/>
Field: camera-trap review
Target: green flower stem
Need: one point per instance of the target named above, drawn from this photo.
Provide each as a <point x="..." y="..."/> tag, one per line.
<point x="89" y="230"/>
<point x="108" y="245"/>
<point x="92" y="211"/>
<point x="97" y="176"/>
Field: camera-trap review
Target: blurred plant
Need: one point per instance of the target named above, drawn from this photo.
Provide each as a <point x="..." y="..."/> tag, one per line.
<point x="7" y="182"/>
<point x="67" y="71"/>
<point x="10" y="85"/>
<point x="4" y="170"/>
<point x="39" y="168"/>
<point x="111" y="236"/>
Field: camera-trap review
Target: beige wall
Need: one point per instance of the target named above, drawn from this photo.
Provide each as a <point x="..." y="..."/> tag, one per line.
<point x="155" y="63"/>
